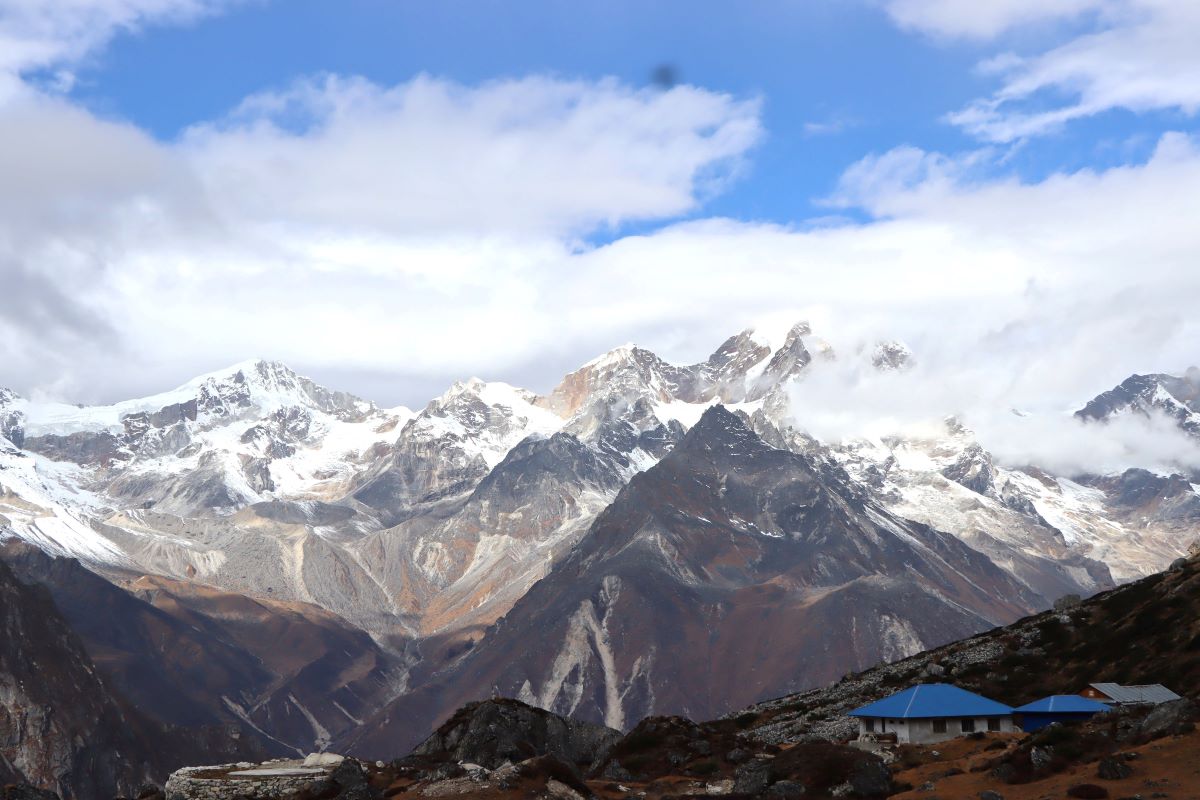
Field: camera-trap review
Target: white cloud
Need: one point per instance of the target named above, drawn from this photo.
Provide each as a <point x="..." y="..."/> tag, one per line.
<point x="332" y="223"/>
<point x="1145" y="61"/>
<point x="986" y="390"/>
<point x="513" y="156"/>
<point x="57" y="34"/>
<point x="983" y="19"/>
<point x="401" y="237"/>
<point x="1136" y="55"/>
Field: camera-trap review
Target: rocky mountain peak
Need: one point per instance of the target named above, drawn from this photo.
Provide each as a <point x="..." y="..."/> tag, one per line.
<point x="1177" y="397"/>
<point x="626" y="373"/>
<point x="267" y="386"/>
<point x="888" y="356"/>
<point x="11" y="418"/>
<point x="720" y="435"/>
<point x="739" y="353"/>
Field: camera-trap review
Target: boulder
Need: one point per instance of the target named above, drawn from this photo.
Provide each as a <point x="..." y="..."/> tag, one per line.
<point x="737" y="755"/>
<point x="496" y="731"/>
<point x="1113" y="769"/>
<point x="348" y="773"/>
<point x="1067" y="602"/>
<point x="323" y="760"/>
<point x="1169" y="719"/>
<point x="870" y="777"/>
<point x="990" y="795"/>
<point x="1040" y="757"/>
<point x="753" y="778"/>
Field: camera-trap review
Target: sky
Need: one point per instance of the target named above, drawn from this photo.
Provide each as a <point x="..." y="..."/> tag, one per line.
<point x="389" y="195"/>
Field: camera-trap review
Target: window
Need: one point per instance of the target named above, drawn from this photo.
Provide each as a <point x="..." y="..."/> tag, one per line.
<point x="968" y="726"/>
<point x="939" y="726"/>
<point x="870" y="723"/>
<point x="994" y="724"/>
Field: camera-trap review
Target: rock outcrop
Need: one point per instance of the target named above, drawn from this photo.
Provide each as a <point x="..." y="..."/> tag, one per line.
<point x="494" y="732"/>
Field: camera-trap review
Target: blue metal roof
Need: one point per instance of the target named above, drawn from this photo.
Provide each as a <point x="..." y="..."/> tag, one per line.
<point x="933" y="700"/>
<point x="1063" y="704"/>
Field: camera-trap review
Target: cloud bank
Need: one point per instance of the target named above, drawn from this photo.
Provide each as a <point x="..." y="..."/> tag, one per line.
<point x="390" y="239"/>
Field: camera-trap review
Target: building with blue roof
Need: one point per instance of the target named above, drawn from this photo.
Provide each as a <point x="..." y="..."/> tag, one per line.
<point x="933" y="712"/>
<point x="1057" y="708"/>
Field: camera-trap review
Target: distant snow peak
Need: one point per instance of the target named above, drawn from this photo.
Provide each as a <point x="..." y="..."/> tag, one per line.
<point x="1176" y="397"/>
<point x="891" y="355"/>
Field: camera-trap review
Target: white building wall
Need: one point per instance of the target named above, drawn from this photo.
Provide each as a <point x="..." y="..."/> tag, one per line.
<point x="920" y="731"/>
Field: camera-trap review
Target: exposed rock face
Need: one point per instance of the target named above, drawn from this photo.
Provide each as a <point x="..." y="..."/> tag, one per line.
<point x="289" y="677"/>
<point x="697" y="568"/>
<point x="463" y="570"/>
<point x="494" y="732"/>
<point x="61" y="726"/>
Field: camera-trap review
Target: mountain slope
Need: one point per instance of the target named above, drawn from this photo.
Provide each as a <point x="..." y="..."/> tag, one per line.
<point x="62" y="726"/>
<point x="711" y="580"/>
<point x="1143" y="632"/>
<point x="285" y="675"/>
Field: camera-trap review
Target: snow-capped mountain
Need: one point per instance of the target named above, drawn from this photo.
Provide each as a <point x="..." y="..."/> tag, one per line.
<point x="217" y="443"/>
<point x="717" y="575"/>
<point x="430" y="529"/>
<point x="1177" y="397"/>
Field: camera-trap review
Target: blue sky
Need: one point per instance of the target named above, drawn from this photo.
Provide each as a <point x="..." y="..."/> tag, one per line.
<point x="393" y="195"/>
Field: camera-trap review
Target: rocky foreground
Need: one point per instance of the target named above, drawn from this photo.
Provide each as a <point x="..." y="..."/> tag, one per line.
<point x="503" y="748"/>
<point x="793" y="746"/>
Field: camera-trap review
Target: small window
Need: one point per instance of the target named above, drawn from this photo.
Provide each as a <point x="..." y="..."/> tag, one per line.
<point x="994" y="724"/>
<point x="870" y="726"/>
<point x="939" y="726"/>
<point x="968" y="726"/>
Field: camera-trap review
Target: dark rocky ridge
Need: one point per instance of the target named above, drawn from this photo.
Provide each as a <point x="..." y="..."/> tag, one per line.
<point x="184" y="654"/>
<point x="62" y="726"/>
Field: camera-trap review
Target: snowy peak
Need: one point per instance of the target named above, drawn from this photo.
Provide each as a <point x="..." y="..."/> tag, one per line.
<point x="744" y="368"/>
<point x="251" y="388"/>
<point x="736" y="356"/>
<point x="890" y="356"/>
<point x="484" y="418"/>
<point x="1178" y="397"/>
<point x="268" y="386"/>
<point x="627" y="372"/>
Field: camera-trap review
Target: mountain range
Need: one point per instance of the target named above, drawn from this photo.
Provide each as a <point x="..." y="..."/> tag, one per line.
<point x="256" y="551"/>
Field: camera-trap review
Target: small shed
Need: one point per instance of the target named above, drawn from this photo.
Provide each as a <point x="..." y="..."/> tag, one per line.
<point x="1150" y="694"/>
<point x="933" y="712"/>
<point x="1057" y="708"/>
